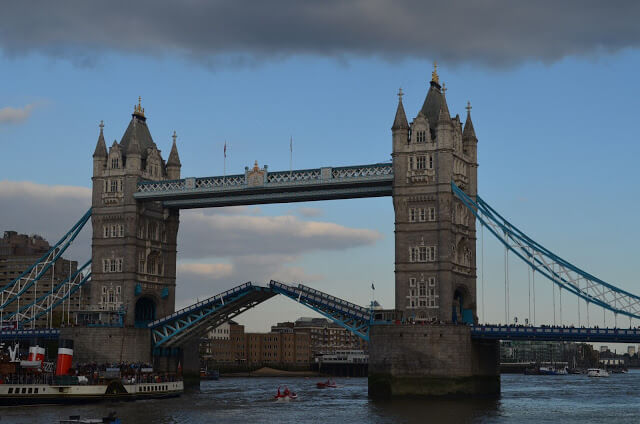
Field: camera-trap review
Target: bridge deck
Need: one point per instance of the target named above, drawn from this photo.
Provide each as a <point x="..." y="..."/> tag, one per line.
<point x="373" y="180"/>
<point x="566" y="334"/>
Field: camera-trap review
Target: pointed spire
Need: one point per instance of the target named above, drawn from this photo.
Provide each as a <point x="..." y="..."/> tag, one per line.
<point x="174" y="158"/>
<point x="444" y="114"/>
<point x="400" y="121"/>
<point x="134" y="146"/>
<point x="469" y="131"/>
<point x="101" y="146"/>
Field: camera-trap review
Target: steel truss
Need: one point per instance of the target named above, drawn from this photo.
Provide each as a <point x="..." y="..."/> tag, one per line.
<point x="13" y="290"/>
<point x="346" y="314"/>
<point x="562" y="273"/>
<point x="53" y="298"/>
<point x="205" y="315"/>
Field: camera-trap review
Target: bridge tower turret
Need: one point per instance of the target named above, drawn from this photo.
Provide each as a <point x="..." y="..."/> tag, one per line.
<point x="435" y="234"/>
<point x="134" y="243"/>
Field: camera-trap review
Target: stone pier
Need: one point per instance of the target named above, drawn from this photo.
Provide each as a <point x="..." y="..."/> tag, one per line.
<point x="413" y="360"/>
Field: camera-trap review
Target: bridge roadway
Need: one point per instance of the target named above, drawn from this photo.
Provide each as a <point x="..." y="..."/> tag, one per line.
<point x="259" y="186"/>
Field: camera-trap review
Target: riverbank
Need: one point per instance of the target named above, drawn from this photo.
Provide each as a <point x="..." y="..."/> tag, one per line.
<point x="271" y="372"/>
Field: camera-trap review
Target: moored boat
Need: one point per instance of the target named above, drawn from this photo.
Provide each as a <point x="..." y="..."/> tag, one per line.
<point x="597" y="372"/>
<point x="326" y="384"/>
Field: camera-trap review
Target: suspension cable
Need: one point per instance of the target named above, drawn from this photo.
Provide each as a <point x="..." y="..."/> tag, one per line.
<point x="529" y="304"/>
<point x="533" y="281"/>
<point x="560" y="290"/>
<point x="578" y="312"/>
<point x="484" y="314"/>
<point x="587" y="313"/>
<point x="553" y="286"/>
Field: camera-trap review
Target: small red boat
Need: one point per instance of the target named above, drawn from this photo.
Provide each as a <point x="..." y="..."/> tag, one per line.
<point x="326" y="384"/>
<point x="286" y="394"/>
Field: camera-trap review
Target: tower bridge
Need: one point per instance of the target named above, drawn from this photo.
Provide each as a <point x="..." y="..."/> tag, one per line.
<point x="430" y="343"/>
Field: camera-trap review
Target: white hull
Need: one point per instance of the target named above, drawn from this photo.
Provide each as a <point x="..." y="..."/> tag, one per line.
<point x="19" y="394"/>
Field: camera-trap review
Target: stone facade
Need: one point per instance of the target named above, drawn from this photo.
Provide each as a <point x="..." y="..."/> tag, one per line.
<point x="108" y="345"/>
<point x="134" y="243"/>
<point x="431" y="360"/>
<point x="435" y="238"/>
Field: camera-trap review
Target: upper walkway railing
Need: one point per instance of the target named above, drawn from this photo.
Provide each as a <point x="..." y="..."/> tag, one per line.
<point x="261" y="186"/>
<point x="551" y="333"/>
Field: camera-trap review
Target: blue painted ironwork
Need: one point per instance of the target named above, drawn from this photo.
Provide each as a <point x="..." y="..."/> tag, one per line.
<point x="354" y="318"/>
<point x="198" y="318"/>
<point x="13" y="290"/>
<point x="562" y="273"/>
<point x="604" y="335"/>
<point x="373" y="180"/>
<point x="53" y="298"/>
<point x="49" y="334"/>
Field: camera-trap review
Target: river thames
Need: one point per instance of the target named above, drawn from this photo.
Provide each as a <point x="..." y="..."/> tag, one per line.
<point x="524" y="399"/>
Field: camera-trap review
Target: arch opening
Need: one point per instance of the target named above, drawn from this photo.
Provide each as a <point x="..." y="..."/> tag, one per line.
<point x="145" y="311"/>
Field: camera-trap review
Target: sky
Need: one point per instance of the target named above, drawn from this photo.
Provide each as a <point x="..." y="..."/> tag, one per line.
<point x="554" y="94"/>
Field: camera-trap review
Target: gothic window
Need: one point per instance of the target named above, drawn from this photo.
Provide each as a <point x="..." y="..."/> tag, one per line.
<point x="106" y="231"/>
<point x="411" y="167"/>
<point x="119" y="265"/>
<point x="106" y="185"/>
<point x="115" y="163"/>
<point x="412" y="215"/>
<point x="432" y="214"/>
<point x="421" y="162"/>
<point x="121" y="227"/>
<point x="111" y="296"/>
<point x="151" y="264"/>
<point x="114" y="186"/>
<point x="113" y="266"/>
<point x="105" y="265"/>
<point x="423" y="214"/>
<point x="430" y="161"/>
<point x="413" y="254"/>
<point x="412" y="282"/>
<point x="431" y="253"/>
<point x="423" y="254"/>
<point x="141" y="262"/>
<point x="421" y="136"/>
<point x="114" y="231"/>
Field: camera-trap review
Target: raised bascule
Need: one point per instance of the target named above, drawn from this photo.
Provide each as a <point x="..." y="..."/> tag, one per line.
<point x="431" y="343"/>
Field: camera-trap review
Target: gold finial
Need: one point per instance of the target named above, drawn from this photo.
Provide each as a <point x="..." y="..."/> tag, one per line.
<point x="400" y="94"/>
<point x="444" y="89"/>
<point x="174" y="137"/>
<point x="468" y="107"/>
<point x="255" y="166"/>
<point x="434" y="74"/>
<point x="138" y="109"/>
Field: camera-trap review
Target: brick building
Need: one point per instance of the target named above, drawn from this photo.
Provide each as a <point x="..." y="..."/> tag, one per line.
<point x="229" y="344"/>
<point x="17" y="253"/>
<point x="324" y="336"/>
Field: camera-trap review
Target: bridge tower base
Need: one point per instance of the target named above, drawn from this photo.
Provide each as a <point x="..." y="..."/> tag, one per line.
<point x="413" y="360"/>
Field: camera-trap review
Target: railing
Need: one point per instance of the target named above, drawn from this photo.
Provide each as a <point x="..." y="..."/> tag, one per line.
<point x="506" y="332"/>
<point x="363" y="173"/>
<point x="213" y="299"/>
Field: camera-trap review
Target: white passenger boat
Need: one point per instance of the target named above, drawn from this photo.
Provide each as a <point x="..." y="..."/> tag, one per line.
<point x="597" y="372"/>
<point x="30" y="394"/>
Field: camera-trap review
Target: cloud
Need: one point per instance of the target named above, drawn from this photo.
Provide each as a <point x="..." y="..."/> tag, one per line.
<point x="215" y="251"/>
<point x="12" y="115"/>
<point x="240" y="33"/>
<point x="49" y="211"/>
<point x="310" y="212"/>
<point x="208" y="270"/>
<point x="203" y="235"/>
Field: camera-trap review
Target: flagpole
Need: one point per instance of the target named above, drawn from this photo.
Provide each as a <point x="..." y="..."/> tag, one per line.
<point x="290" y="156"/>
<point x="224" y="166"/>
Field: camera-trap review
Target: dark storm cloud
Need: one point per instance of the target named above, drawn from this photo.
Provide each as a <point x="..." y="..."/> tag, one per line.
<point x="491" y="32"/>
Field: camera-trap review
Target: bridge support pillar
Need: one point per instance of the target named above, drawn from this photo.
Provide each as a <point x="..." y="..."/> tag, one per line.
<point x="410" y="360"/>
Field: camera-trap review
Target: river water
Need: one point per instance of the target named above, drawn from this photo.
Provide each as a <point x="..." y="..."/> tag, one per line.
<point x="524" y="399"/>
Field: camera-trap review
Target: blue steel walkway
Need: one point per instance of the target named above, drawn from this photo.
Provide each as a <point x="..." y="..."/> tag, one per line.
<point x="564" y="334"/>
<point x="260" y="187"/>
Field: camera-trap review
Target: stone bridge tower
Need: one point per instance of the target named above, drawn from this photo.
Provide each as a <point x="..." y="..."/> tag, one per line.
<point x="435" y="263"/>
<point x="434" y="232"/>
<point x="134" y="243"/>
